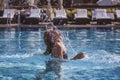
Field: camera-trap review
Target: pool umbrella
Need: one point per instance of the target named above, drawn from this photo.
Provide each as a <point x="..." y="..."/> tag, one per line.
<point x="60" y="2"/>
<point x="33" y="2"/>
<point x="49" y="9"/>
<point x="4" y="4"/>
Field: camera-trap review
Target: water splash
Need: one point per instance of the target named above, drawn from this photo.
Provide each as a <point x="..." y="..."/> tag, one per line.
<point x="17" y="56"/>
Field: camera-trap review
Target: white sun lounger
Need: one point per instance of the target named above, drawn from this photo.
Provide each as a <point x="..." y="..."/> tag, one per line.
<point x="101" y="16"/>
<point x="81" y="16"/>
<point x="60" y="17"/>
<point x="118" y="14"/>
<point x="34" y="17"/>
<point x="8" y="16"/>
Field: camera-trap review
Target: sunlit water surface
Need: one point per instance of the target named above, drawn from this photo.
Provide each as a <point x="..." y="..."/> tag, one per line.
<point x="21" y="55"/>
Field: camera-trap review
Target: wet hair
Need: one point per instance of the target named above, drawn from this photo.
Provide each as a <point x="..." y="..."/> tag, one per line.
<point x="46" y="27"/>
<point x="54" y="27"/>
<point x="80" y="55"/>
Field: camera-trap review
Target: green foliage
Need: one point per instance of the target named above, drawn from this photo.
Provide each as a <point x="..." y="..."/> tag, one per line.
<point x="89" y="13"/>
<point x="109" y="10"/>
<point x="70" y="14"/>
<point x="53" y="10"/>
<point x="113" y="10"/>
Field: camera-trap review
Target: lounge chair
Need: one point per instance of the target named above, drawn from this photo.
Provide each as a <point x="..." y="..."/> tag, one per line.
<point x="8" y="16"/>
<point x="118" y="15"/>
<point x="60" y="17"/>
<point x="112" y="16"/>
<point x="34" y="17"/>
<point x="81" y="16"/>
<point x="101" y="16"/>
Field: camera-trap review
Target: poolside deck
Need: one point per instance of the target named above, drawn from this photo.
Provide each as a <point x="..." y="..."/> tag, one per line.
<point x="68" y="26"/>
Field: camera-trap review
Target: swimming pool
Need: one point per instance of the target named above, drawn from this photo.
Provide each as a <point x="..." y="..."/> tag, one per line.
<point x="21" y="55"/>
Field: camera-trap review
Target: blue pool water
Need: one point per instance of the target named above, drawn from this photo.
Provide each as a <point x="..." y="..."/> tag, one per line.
<point x="21" y="55"/>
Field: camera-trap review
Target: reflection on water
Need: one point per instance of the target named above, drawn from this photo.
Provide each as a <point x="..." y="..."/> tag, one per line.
<point x="52" y="71"/>
<point x="21" y="56"/>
